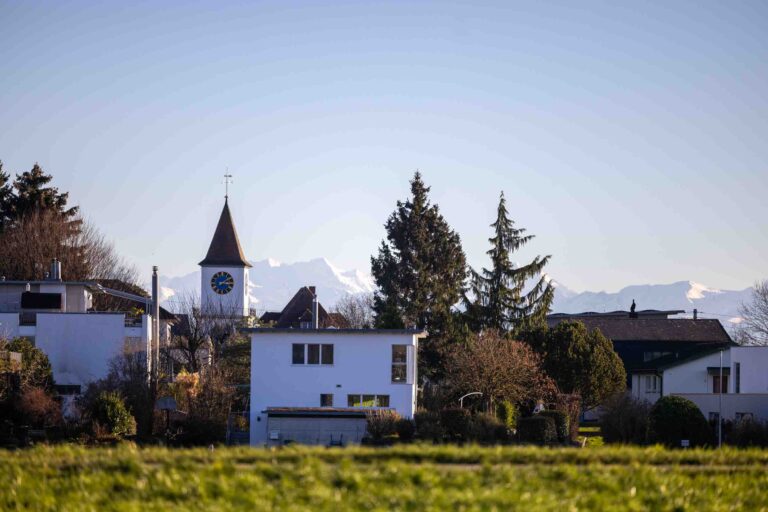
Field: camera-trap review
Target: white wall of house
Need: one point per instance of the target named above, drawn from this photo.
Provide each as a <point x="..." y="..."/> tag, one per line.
<point x="752" y="369"/>
<point x="692" y="377"/>
<point x="362" y="365"/>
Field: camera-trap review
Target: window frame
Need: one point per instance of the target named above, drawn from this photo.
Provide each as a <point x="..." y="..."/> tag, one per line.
<point x="401" y="366"/>
<point x="307" y="353"/>
<point x="326" y="395"/>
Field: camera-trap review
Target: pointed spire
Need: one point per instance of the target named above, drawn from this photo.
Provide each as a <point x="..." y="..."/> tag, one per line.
<point x="225" y="247"/>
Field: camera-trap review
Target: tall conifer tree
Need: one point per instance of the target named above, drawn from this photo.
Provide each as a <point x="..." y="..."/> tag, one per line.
<point x="420" y="272"/>
<point x="500" y="298"/>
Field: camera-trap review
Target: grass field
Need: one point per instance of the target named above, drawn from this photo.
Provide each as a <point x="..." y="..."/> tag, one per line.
<point x="415" y="477"/>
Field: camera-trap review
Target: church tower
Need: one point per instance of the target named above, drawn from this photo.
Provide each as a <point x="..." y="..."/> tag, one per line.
<point x="224" y="271"/>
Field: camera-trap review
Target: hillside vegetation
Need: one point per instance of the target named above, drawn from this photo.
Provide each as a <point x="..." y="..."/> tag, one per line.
<point x="412" y="477"/>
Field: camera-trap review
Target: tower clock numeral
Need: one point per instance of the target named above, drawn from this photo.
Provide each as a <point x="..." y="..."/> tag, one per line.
<point x="222" y="283"/>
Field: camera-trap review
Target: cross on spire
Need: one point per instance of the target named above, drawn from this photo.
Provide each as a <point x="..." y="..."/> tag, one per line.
<point x="227" y="181"/>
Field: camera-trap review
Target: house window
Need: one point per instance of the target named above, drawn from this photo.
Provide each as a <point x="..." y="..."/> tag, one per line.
<point x="298" y="353"/>
<point x="367" y="400"/>
<point x="746" y="416"/>
<point x="651" y="384"/>
<point x="327" y="354"/>
<point x="399" y="363"/>
<point x="713" y="417"/>
<point x="326" y="400"/>
<point x="651" y="356"/>
<point x="716" y="387"/>
<point x="305" y="325"/>
<point x="737" y="382"/>
<point x="312" y="353"/>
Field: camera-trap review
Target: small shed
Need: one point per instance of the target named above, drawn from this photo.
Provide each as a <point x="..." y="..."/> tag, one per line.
<point x="327" y="426"/>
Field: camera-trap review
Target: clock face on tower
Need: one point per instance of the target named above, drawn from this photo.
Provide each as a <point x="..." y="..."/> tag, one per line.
<point x="222" y="283"/>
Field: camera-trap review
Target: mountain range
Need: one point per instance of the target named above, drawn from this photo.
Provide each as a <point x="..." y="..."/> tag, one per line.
<point x="274" y="283"/>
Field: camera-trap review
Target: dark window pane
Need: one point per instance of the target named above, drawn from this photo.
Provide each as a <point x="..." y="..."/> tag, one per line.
<point x="298" y="353"/>
<point x="353" y="401"/>
<point x="326" y="400"/>
<point x="399" y="353"/>
<point x="369" y="401"/>
<point x="398" y="372"/>
<point x="383" y="400"/>
<point x="313" y="354"/>
<point x="327" y="354"/>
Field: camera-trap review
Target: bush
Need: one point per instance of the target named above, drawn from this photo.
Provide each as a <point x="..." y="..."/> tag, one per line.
<point x="488" y="429"/>
<point x="749" y="432"/>
<point x="507" y="413"/>
<point x="457" y="423"/>
<point x="38" y="409"/>
<point x="405" y="429"/>
<point x="109" y="412"/>
<point x="561" y="424"/>
<point x="382" y="423"/>
<point x="571" y="405"/>
<point x="428" y="426"/>
<point x="674" y="418"/>
<point x="537" y="429"/>
<point x="198" y="431"/>
<point x="625" y="420"/>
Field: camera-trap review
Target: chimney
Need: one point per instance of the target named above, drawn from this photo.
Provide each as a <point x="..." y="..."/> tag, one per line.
<point x="55" y="273"/>
<point x="315" y="309"/>
<point x="695" y="314"/>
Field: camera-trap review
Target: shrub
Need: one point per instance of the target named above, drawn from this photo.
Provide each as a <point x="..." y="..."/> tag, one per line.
<point x="405" y="429"/>
<point x="625" y="419"/>
<point x="507" y="413"/>
<point x="38" y="408"/>
<point x="199" y="431"/>
<point x="749" y="432"/>
<point x="537" y="429"/>
<point x="456" y="422"/>
<point x="674" y="418"/>
<point x="110" y="413"/>
<point x="428" y="425"/>
<point x="488" y="429"/>
<point x="382" y="423"/>
<point x="561" y="424"/>
<point x="571" y="405"/>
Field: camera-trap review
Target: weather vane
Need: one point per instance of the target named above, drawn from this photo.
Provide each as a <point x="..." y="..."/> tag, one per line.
<point x="227" y="181"/>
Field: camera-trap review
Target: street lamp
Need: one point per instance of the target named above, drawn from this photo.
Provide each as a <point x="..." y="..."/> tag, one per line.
<point x="461" y="400"/>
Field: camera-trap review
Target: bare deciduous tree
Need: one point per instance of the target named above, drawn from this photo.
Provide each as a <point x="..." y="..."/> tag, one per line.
<point x="753" y="330"/>
<point x="357" y="309"/>
<point x="500" y="369"/>
<point x="28" y="246"/>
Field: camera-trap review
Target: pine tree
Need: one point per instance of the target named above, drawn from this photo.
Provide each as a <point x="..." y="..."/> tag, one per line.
<point x="6" y="193"/>
<point x="499" y="297"/>
<point x="32" y="195"/>
<point x="420" y="272"/>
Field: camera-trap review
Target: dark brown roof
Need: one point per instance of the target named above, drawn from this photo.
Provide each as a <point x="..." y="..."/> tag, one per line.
<point x="659" y="329"/>
<point x="225" y="247"/>
<point x="299" y="309"/>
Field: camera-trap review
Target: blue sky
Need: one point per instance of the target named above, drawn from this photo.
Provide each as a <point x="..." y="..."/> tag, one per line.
<point x="629" y="137"/>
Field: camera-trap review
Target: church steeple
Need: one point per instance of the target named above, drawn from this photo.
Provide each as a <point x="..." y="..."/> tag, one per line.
<point x="225" y="247"/>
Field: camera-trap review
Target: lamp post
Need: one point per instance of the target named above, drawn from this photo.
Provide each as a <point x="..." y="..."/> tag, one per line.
<point x="461" y="400"/>
<point x="720" y="406"/>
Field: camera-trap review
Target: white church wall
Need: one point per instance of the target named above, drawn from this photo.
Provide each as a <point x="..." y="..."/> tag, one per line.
<point x="236" y="300"/>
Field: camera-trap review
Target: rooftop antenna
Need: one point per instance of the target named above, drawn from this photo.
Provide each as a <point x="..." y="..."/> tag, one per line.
<point x="227" y="181"/>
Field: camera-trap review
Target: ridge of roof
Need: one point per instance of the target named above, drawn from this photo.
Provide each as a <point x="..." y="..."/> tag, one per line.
<point x="225" y="246"/>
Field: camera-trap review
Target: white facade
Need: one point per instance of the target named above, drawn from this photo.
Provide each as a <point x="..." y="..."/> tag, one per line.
<point x="745" y="383"/>
<point x="236" y="301"/>
<point x="359" y="376"/>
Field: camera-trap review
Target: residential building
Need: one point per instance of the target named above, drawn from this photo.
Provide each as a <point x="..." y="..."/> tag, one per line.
<point x="58" y="317"/>
<point x="742" y="379"/>
<point x="315" y="386"/>
<point x="298" y="313"/>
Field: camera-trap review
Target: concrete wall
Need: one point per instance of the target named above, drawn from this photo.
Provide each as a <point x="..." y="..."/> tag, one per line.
<point x="754" y="369"/>
<point x="80" y="346"/>
<point x="362" y="365"/>
<point x="236" y="300"/>
<point x="692" y="377"/>
<point x="756" y="404"/>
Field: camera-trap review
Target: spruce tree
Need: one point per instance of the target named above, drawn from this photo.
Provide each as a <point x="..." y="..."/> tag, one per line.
<point x="499" y="296"/>
<point x="31" y="194"/>
<point x="6" y="193"/>
<point x="420" y="272"/>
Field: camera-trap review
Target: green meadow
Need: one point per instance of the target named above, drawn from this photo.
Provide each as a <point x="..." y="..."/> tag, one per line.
<point x="407" y="477"/>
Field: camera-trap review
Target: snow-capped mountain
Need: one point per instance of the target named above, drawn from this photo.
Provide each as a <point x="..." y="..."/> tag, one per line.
<point x="686" y="295"/>
<point x="273" y="283"/>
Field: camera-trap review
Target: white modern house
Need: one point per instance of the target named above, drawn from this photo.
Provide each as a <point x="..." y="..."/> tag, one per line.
<point x="315" y="386"/>
<point x="742" y="379"/>
<point x="58" y="318"/>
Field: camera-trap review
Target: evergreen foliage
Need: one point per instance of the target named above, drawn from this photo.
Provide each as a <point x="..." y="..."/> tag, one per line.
<point x="583" y="363"/>
<point x="29" y="193"/>
<point x="499" y="299"/>
<point x="109" y="411"/>
<point x="420" y="271"/>
<point x="674" y="418"/>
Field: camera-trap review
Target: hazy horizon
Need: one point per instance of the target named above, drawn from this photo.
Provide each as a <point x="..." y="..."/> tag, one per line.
<point x="628" y="138"/>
